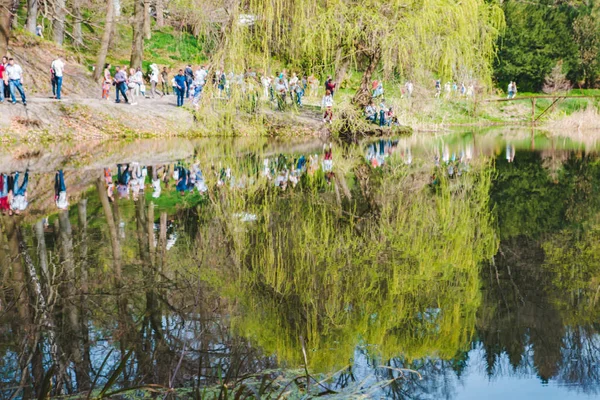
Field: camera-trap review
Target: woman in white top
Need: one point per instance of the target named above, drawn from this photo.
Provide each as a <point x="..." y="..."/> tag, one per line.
<point x="133" y="88"/>
<point x="138" y="78"/>
<point x="154" y="74"/>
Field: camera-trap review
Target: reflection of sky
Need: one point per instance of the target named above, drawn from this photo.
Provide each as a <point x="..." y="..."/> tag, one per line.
<point x="475" y="384"/>
<point x="440" y="381"/>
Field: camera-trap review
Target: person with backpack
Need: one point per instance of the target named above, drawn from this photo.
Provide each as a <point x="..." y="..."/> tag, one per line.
<point x="189" y="79"/>
<point x="164" y="77"/>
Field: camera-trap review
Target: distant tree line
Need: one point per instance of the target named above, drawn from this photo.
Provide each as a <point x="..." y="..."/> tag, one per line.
<point x="541" y="34"/>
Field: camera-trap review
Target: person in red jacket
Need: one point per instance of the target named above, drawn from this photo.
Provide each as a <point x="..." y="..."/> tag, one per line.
<point x="330" y="85"/>
<point x="2" y="81"/>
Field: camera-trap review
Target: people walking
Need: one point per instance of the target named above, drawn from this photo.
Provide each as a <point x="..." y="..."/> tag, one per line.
<point x="106" y="82"/>
<point x="57" y="69"/>
<point x="2" y="78"/>
<point x="15" y="75"/>
<point x="164" y="76"/>
<point x="154" y="77"/>
<point x="121" y="85"/>
<point x="180" y="84"/>
<point x="189" y="79"/>
<point x="5" y="78"/>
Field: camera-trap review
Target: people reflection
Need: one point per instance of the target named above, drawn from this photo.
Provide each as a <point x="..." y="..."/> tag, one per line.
<point x="18" y="197"/>
<point x="60" y="191"/>
<point x="123" y="181"/>
<point x="156" y="189"/>
<point x="510" y="152"/>
<point x="4" y="189"/>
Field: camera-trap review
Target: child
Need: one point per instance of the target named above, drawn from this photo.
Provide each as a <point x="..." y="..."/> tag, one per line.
<point x="327" y="104"/>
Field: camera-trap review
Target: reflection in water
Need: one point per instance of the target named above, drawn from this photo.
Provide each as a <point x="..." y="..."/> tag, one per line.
<point x="205" y="269"/>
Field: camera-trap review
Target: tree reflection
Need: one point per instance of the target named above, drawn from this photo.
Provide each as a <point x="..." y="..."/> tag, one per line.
<point x="381" y="271"/>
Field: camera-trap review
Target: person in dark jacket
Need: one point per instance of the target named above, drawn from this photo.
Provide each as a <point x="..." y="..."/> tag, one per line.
<point x="189" y="79"/>
<point x="180" y="85"/>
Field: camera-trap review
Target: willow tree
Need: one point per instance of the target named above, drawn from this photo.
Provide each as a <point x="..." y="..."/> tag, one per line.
<point x="410" y="37"/>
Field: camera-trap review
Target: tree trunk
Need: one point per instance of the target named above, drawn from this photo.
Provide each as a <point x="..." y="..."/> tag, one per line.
<point x="151" y="243"/>
<point x="83" y="366"/>
<point x="7" y="10"/>
<point x="137" y="45"/>
<point x="363" y="94"/>
<point x="147" y="21"/>
<point x="43" y="255"/>
<point x="160" y="20"/>
<point x="162" y="242"/>
<point x="112" y="230"/>
<point x="77" y="33"/>
<point x="108" y="28"/>
<point x="32" y="14"/>
<point x="58" y="24"/>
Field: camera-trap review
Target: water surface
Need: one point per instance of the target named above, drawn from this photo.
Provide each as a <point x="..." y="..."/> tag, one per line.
<point x="463" y="266"/>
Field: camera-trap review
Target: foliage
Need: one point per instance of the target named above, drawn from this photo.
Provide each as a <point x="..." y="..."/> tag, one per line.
<point x="556" y="81"/>
<point x="542" y="33"/>
<point x="537" y="35"/>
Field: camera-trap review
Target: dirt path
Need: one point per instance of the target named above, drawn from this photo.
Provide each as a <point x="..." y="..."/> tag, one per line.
<point x="83" y="118"/>
<point x="74" y="118"/>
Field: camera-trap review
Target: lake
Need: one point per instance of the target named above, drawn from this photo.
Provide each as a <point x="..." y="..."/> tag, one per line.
<point x="462" y="266"/>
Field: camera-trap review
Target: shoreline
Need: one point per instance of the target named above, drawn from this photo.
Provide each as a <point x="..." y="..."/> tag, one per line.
<point x="48" y="120"/>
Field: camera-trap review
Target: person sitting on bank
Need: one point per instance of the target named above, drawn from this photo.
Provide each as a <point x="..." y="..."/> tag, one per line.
<point x="371" y="112"/>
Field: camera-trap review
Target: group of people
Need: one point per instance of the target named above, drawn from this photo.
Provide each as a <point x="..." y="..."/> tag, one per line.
<point x="282" y="171"/>
<point x="382" y="115"/>
<point x="131" y="179"/>
<point x="455" y="163"/>
<point x="13" y="194"/>
<point x="378" y="152"/>
<point x="11" y="81"/>
<point x="130" y="83"/>
<point x="453" y="89"/>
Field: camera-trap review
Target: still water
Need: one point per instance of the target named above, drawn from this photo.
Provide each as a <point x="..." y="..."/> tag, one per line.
<point x="456" y="267"/>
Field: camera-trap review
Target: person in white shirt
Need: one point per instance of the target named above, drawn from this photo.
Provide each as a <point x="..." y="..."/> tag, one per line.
<point x="327" y="104"/>
<point x="60" y="191"/>
<point x="14" y="74"/>
<point x="198" y="84"/>
<point x="154" y="74"/>
<point x="56" y="71"/>
<point x="156" y="189"/>
<point x="200" y="76"/>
